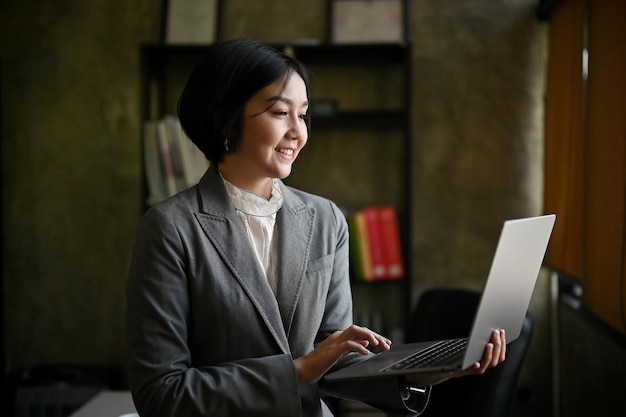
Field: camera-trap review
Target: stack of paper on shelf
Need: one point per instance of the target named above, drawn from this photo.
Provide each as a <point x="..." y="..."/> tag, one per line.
<point x="172" y="162"/>
<point x="375" y="246"/>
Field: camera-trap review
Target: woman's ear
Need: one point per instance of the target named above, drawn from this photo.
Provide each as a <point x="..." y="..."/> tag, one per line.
<point x="227" y="132"/>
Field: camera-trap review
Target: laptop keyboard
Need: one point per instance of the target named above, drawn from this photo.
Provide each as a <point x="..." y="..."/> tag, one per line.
<point x="441" y="353"/>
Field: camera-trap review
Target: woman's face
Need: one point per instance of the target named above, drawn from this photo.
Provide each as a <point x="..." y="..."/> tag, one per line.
<point x="273" y="133"/>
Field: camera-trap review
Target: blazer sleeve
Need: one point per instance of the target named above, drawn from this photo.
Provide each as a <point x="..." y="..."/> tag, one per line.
<point x="163" y="378"/>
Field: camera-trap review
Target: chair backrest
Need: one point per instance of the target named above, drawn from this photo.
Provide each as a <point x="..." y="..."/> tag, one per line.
<point x="448" y="313"/>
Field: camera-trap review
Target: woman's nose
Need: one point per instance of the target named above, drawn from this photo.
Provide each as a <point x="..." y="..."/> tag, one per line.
<point x="298" y="127"/>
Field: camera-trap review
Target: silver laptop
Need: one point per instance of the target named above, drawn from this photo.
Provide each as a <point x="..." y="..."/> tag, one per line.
<point x="503" y="305"/>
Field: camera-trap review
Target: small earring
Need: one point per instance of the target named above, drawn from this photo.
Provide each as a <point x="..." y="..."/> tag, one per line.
<point x="227" y="144"/>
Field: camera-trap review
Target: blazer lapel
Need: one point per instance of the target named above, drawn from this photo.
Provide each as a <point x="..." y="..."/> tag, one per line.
<point x="292" y="253"/>
<point x="223" y="227"/>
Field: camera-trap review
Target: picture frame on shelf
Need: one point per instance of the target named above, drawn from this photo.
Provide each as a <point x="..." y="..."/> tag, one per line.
<point x="191" y="22"/>
<point x="367" y="21"/>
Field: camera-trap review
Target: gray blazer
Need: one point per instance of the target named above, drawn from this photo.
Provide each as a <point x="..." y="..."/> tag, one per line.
<point x="206" y="335"/>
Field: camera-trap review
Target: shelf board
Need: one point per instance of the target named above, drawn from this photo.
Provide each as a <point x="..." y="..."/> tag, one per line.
<point x="310" y="54"/>
<point x="372" y="118"/>
<point x="383" y="281"/>
<point x="349" y="54"/>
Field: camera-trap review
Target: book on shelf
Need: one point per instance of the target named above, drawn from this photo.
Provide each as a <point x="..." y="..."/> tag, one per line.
<point x="155" y="176"/>
<point x="359" y="250"/>
<point x="171" y="172"/>
<point x="172" y="162"/>
<point x="188" y="157"/>
<point x="392" y="244"/>
<point x="375" y="236"/>
<point x="375" y="245"/>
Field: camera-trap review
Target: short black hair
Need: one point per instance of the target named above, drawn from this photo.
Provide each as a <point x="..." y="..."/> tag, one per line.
<point x="211" y="105"/>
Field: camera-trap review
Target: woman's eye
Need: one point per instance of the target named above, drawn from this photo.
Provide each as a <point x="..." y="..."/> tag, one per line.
<point x="281" y="113"/>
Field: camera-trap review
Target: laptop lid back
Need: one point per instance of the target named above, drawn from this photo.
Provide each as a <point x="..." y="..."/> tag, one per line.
<point x="510" y="283"/>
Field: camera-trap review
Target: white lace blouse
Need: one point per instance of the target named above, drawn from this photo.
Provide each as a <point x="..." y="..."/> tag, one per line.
<point x="258" y="216"/>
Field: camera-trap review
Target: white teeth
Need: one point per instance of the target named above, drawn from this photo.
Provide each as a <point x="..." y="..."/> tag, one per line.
<point x="285" y="151"/>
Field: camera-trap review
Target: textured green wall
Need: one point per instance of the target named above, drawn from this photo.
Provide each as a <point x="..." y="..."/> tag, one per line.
<point x="478" y="71"/>
<point x="71" y="174"/>
<point x="71" y="179"/>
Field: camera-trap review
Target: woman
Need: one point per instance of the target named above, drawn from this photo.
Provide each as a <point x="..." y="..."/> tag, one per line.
<point x="238" y="295"/>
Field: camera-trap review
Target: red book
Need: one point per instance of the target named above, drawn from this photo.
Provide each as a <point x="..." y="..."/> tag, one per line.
<point x="375" y="239"/>
<point x="392" y="246"/>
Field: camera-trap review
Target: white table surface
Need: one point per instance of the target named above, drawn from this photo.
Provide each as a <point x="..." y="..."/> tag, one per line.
<point x="107" y="404"/>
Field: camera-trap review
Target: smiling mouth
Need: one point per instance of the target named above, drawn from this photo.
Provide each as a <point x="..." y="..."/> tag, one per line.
<point x="285" y="151"/>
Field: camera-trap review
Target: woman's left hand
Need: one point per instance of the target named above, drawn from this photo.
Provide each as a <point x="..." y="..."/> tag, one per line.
<point x="495" y="353"/>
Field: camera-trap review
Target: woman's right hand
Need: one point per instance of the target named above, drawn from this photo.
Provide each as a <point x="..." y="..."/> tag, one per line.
<point x="312" y="366"/>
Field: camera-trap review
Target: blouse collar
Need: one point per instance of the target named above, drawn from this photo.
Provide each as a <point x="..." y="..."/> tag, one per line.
<point x="253" y="204"/>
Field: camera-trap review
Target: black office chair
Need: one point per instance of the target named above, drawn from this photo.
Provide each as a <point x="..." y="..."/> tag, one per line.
<point x="448" y="313"/>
